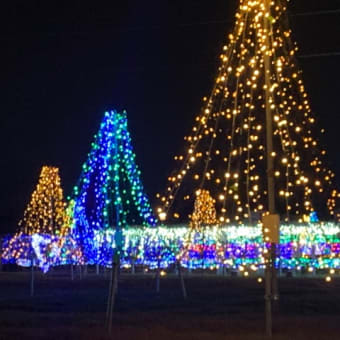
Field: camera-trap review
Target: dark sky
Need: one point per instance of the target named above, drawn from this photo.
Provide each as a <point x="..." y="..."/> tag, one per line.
<point x="62" y="64"/>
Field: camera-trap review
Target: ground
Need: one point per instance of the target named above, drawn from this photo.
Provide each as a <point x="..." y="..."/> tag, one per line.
<point x="217" y="308"/>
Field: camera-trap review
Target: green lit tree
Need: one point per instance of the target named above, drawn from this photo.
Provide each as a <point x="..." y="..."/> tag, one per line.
<point x="109" y="196"/>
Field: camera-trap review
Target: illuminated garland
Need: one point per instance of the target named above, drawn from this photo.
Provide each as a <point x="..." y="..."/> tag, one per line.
<point x="238" y="248"/>
<point x="109" y="194"/>
<point x="313" y="246"/>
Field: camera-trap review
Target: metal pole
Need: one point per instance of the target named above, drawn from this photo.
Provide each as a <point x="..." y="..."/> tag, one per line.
<point x="72" y="272"/>
<point x="133" y="270"/>
<point x="269" y="271"/>
<point x="181" y="279"/>
<point x="32" y="275"/>
<point x="109" y="297"/>
<point x="269" y="120"/>
<point x="267" y="297"/>
<point x="275" y="286"/>
<point x="112" y="290"/>
<point x="80" y="272"/>
<point x="158" y="276"/>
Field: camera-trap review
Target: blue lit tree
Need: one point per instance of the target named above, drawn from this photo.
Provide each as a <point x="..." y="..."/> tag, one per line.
<point x="109" y="195"/>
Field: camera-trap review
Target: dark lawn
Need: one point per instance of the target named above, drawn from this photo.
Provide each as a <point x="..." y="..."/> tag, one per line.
<point x="217" y="308"/>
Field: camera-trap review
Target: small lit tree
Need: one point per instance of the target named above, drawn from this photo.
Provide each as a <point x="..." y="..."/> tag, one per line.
<point x="45" y="213"/>
<point x="44" y="224"/>
<point x="197" y="248"/>
<point x="204" y="210"/>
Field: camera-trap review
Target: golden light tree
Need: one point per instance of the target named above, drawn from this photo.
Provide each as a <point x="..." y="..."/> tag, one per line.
<point x="44" y="238"/>
<point x="45" y="213"/>
<point x="204" y="213"/>
<point x="194" y="252"/>
<point x="226" y="150"/>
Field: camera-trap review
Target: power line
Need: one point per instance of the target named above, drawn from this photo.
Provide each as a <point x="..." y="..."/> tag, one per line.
<point x="319" y="55"/>
<point x="209" y="22"/>
<point x="322" y="12"/>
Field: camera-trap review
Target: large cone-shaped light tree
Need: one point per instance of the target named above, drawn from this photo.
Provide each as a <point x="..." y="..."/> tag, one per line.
<point x="109" y="196"/>
<point x="226" y="151"/>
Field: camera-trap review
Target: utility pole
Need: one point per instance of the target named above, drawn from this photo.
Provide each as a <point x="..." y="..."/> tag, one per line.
<point x="271" y="222"/>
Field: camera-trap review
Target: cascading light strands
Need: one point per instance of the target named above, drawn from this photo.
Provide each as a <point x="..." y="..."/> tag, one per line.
<point x="226" y="151"/>
<point x="110" y="193"/>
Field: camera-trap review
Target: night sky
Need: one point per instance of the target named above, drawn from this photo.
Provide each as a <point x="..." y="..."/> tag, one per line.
<point x="62" y="64"/>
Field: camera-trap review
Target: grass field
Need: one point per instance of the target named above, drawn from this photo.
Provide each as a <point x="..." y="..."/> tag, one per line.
<point x="216" y="308"/>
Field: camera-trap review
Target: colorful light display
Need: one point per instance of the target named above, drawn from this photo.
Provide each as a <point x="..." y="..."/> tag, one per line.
<point x="309" y="247"/>
<point x="220" y="180"/>
<point x="43" y="250"/>
<point x="226" y="152"/>
<point x="42" y="238"/>
<point x="304" y="248"/>
<point x="109" y="194"/>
